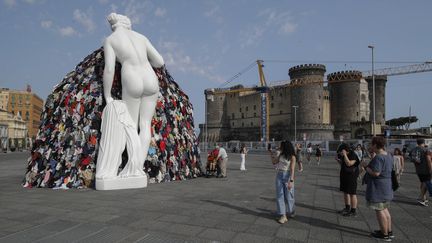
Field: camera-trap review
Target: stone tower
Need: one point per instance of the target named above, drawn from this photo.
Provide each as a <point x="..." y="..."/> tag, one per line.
<point x="349" y="100"/>
<point x="216" y="115"/>
<point x="380" y="85"/>
<point x="310" y="99"/>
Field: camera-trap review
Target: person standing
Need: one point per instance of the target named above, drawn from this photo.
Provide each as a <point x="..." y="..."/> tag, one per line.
<point x="299" y="156"/>
<point x="222" y="161"/>
<point x="284" y="161"/>
<point x="309" y="152"/>
<point x="243" y="152"/>
<point x="398" y="163"/>
<point x="349" y="172"/>
<point x="423" y="165"/>
<point x="379" y="192"/>
<point x="318" y="154"/>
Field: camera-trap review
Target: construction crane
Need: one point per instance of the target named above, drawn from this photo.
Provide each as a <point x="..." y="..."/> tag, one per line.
<point x="264" y="89"/>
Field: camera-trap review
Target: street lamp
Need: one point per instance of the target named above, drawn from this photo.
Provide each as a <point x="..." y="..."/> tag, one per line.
<point x="295" y="122"/>
<point x="207" y="98"/>
<point x="373" y="92"/>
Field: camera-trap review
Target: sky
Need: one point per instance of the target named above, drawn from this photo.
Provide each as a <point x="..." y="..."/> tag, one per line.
<point x="206" y="42"/>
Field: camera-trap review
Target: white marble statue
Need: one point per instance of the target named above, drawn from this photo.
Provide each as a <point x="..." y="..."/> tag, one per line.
<point x="122" y="118"/>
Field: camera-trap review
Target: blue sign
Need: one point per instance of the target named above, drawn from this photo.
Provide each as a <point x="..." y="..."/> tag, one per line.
<point x="263" y="117"/>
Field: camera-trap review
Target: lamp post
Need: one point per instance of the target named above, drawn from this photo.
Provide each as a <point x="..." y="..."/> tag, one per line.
<point x="373" y="92"/>
<point x="295" y="122"/>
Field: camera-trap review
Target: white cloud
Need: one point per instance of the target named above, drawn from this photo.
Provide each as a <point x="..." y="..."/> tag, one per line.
<point x="270" y="20"/>
<point x="137" y="10"/>
<point x="214" y="13"/>
<point x="67" y="31"/>
<point x="84" y="19"/>
<point x="46" y="24"/>
<point x="288" y="28"/>
<point x="176" y="58"/>
<point x="9" y="3"/>
<point x="160" y="12"/>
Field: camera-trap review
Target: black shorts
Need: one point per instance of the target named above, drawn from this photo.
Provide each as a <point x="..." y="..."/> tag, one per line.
<point x="424" y="178"/>
<point x="348" y="183"/>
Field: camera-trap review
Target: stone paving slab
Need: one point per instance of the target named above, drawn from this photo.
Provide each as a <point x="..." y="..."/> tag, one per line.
<point x="240" y="208"/>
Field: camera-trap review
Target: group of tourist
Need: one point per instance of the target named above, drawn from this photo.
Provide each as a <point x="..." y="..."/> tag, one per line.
<point x="381" y="174"/>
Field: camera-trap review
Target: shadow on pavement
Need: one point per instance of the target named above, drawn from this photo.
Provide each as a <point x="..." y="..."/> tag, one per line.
<point x="268" y="214"/>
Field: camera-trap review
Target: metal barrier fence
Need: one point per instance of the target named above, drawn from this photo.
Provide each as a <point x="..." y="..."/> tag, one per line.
<point x="329" y="146"/>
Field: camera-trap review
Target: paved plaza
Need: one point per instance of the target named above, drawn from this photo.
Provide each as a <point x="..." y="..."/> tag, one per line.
<point x="240" y="208"/>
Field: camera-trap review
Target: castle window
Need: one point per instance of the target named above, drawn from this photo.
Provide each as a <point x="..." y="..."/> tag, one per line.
<point x="280" y="112"/>
<point x="240" y="109"/>
<point x="319" y="109"/>
<point x="254" y="114"/>
<point x="357" y="114"/>
<point x="272" y="97"/>
<point x="272" y="105"/>
<point x="242" y="115"/>
<point x="247" y="108"/>
<point x="251" y="124"/>
<point x="233" y="124"/>
<point x="319" y="117"/>
<point x="220" y="98"/>
<point x="242" y="124"/>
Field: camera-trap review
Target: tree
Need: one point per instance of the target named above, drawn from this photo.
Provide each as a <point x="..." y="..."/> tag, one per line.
<point x="402" y="122"/>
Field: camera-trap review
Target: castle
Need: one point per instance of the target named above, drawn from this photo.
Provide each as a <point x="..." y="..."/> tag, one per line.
<point x="342" y="108"/>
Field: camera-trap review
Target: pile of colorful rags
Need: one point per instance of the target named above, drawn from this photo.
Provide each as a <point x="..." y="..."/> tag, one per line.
<point x="65" y="151"/>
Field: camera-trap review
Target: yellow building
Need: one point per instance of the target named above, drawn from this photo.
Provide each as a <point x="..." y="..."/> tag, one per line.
<point x="26" y="104"/>
<point x="17" y="129"/>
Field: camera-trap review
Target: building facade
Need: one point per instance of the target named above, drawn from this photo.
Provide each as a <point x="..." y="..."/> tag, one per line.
<point x="3" y="136"/>
<point x="16" y="130"/>
<point x="26" y="104"/>
<point x="323" y="112"/>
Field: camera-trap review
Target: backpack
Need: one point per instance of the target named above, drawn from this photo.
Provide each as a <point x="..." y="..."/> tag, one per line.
<point x="416" y="155"/>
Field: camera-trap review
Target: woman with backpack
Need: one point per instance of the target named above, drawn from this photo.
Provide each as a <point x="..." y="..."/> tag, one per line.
<point x="284" y="161"/>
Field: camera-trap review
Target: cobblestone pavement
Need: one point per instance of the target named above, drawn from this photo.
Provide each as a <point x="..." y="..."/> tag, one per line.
<point x="240" y="208"/>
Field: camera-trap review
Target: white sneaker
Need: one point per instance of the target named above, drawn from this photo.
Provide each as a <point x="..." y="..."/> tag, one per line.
<point x="422" y="202"/>
<point x="283" y="219"/>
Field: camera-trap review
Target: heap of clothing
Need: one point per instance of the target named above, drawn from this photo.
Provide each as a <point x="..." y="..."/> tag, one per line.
<point x="66" y="147"/>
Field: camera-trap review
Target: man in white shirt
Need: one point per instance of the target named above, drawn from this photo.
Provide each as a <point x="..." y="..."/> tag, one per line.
<point x="222" y="159"/>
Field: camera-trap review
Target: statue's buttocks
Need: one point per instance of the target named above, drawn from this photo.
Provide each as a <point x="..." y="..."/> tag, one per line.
<point x="139" y="81"/>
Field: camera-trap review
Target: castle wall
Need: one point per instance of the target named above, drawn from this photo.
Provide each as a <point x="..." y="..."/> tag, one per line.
<point x="380" y="85"/>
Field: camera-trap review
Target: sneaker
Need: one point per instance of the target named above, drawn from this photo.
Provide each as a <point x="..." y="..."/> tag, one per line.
<point x="292" y="215"/>
<point x="422" y="202"/>
<point x="379" y="235"/>
<point x="390" y="233"/>
<point x="283" y="219"/>
<point x="345" y="210"/>
<point x="349" y="214"/>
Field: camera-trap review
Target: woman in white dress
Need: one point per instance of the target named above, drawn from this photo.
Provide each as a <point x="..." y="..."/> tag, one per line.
<point x="243" y="152"/>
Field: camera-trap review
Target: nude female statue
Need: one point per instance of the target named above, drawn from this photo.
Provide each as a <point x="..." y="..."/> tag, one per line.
<point x="140" y="88"/>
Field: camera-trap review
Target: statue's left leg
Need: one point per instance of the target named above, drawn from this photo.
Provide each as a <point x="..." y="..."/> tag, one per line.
<point x="147" y="110"/>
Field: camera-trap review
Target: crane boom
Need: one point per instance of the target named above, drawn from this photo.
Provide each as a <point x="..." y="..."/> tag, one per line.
<point x="393" y="71"/>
